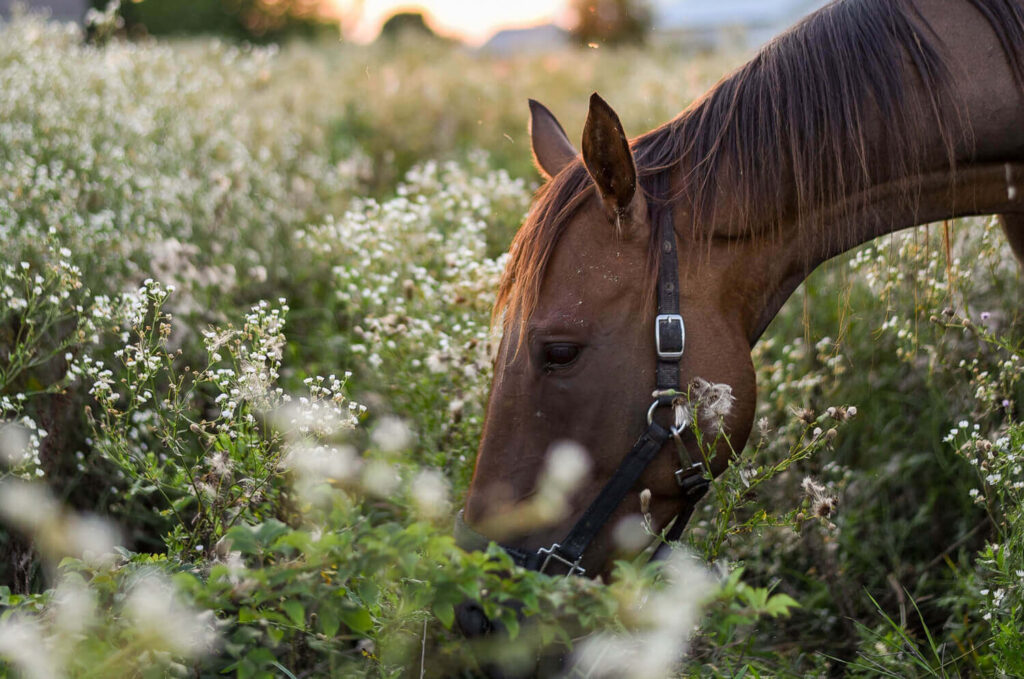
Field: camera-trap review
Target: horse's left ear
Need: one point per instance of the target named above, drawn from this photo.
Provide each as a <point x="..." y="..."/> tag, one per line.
<point x="552" y="149"/>
<point x="608" y="158"/>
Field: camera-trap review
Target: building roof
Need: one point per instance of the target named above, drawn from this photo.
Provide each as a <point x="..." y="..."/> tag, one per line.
<point x="706" y="15"/>
<point x="530" y="39"/>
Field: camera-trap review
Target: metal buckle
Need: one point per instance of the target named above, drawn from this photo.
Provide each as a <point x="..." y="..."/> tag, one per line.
<point x="694" y="485"/>
<point x="552" y="553"/>
<point x="687" y="472"/>
<point x="665" y="354"/>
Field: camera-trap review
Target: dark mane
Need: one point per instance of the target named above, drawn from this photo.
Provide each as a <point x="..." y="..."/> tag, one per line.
<point x="795" y="116"/>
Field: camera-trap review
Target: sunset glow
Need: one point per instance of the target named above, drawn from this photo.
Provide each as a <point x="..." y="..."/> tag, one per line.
<point x="472" y="22"/>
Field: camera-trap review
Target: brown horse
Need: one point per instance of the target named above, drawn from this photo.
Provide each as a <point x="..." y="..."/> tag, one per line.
<point x="868" y="117"/>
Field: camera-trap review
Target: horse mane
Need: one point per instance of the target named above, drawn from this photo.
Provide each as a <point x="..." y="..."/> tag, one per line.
<point x="785" y="134"/>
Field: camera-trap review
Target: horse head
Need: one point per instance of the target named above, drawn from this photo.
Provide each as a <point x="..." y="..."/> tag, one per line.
<point x="577" y="364"/>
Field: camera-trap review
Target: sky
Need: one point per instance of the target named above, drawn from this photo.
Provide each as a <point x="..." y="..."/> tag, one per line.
<point x="472" y="21"/>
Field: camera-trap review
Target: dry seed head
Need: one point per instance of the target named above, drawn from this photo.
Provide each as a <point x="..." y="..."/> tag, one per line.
<point x="824" y="507"/>
<point x="645" y="500"/>
<point x="811" y="487"/>
<point x="822" y="504"/>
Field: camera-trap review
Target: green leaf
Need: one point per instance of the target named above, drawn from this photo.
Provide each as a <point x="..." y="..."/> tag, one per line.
<point x="511" y="623"/>
<point x="368" y="592"/>
<point x="779" y="605"/>
<point x="222" y="442"/>
<point x="329" y="620"/>
<point x="357" y="619"/>
<point x="246" y="614"/>
<point x="243" y="540"/>
<point x="284" y="669"/>
<point x="270" y="530"/>
<point x="445" y="612"/>
<point x="296" y="611"/>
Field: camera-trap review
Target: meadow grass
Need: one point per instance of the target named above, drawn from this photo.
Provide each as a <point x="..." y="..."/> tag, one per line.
<point x="245" y="350"/>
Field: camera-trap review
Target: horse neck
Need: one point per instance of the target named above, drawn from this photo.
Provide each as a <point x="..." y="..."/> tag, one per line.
<point x="986" y="177"/>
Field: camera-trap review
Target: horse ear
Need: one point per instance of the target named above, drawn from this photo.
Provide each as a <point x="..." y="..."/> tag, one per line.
<point x="608" y="158"/>
<point x="552" y="149"/>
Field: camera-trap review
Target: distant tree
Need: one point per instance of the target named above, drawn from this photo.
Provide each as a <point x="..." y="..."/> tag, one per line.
<point x="406" y="23"/>
<point x="610" y="22"/>
<point x="256" y="20"/>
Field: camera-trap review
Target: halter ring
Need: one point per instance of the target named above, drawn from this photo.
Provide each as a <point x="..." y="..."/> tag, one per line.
<point x="674" y="430"/>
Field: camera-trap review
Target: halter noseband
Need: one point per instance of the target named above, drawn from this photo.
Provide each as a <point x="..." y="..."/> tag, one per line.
<point x="669" y="342"/>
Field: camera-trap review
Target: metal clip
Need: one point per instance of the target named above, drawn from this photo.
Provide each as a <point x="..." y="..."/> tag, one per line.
<point x="552" y="553"/>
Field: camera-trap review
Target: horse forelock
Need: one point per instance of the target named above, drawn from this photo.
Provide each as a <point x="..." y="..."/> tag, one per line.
<point x="787" y="137"/>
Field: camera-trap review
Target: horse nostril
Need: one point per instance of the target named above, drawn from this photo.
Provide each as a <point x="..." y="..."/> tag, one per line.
<point x="471" y="620"/>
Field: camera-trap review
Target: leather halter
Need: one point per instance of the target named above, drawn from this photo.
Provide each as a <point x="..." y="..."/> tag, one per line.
<point x="669" y="342"/>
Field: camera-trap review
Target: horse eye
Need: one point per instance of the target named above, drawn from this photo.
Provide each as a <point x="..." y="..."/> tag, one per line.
<point x="560" y="355"/>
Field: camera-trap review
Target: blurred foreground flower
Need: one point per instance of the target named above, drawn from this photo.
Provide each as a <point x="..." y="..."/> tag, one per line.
<point x="565" y="469"/>
<point x="668" y="618"/>
<point x="391" y="435"/>
<point x="23" y="644"/>
<point x="56" y="532"/>
<point x="430" y="494"/>
<point x="162" y="623"/>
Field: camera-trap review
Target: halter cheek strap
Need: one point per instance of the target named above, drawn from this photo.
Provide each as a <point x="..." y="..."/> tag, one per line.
<point x="669" y="343"/>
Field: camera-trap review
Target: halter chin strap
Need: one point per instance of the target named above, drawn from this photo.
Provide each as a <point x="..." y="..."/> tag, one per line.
<point x="669" y="343"/>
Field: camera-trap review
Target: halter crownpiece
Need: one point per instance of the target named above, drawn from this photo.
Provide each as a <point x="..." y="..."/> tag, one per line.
<point x="669" y="344"/>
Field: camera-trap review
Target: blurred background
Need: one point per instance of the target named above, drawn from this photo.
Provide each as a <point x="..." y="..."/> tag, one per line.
<point x="499" y="27"/>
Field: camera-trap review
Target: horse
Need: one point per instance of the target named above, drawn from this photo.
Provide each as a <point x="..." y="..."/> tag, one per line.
<point x="657" y="263"/>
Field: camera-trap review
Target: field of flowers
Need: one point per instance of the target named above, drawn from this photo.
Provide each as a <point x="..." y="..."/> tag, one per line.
<point x="245" y="349"/>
